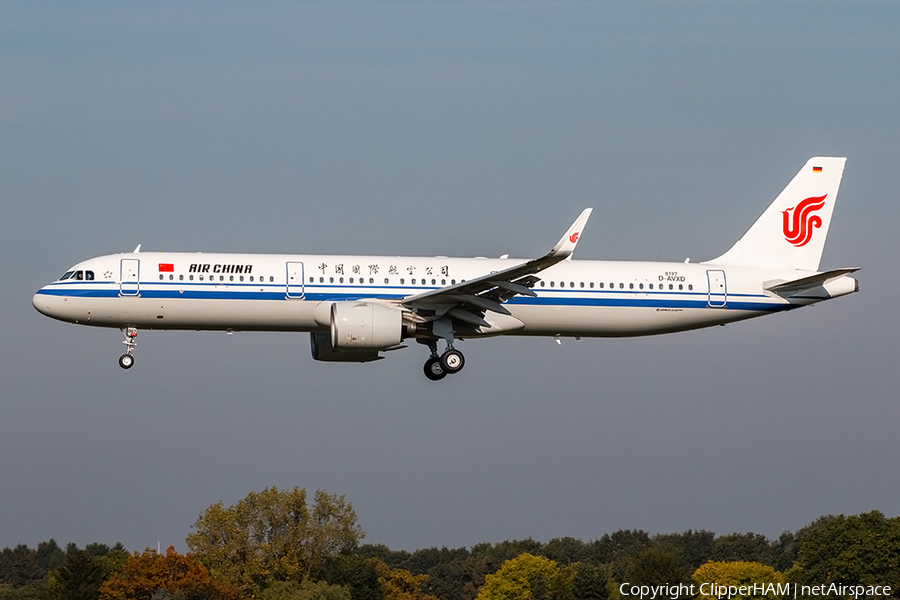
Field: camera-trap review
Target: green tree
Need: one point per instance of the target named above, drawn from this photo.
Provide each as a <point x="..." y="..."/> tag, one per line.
<point x="517" y="577"/>
<point x="79" y="577"/>
<point x="744" y="547"/>
<point x="656" y="567"/>
<point x="738" y="573"/>
<point x="590" y="583"/>
<point x="274" y="536"/>
<point x="694" y="548"/>
<point x="307" y="590"/>
<point x="859" y="549"/>
<point x="356" y="572"/>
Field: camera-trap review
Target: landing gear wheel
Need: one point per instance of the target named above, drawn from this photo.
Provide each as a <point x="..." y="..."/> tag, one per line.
<point x="433" y="369"/>
<point x="452" y="361"/>
<point x="126" y="361"/>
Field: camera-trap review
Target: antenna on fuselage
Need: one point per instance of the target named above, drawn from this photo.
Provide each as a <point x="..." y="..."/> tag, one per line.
<point x="137" y="250"/>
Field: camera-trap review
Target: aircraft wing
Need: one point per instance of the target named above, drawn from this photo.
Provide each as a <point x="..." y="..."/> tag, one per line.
<point x="468" y="300"/>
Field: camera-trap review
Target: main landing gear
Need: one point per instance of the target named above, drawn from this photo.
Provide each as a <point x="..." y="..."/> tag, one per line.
<point x="126" y="361"/>
<point x="439" y="366"/>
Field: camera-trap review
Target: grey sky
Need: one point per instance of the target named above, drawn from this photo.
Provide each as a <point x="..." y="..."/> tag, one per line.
<point x="445" y="129"/>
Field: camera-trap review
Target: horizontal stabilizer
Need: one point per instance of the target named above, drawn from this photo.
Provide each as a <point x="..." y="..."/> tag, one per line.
<point x="817" y="280"/>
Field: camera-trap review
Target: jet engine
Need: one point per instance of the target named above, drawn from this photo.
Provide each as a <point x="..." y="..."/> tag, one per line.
<point x="369" y="325"/>
<point x="359" y="330"/>
<point x="321" y="348"/>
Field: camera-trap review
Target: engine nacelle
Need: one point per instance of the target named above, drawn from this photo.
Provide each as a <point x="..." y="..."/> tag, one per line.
<point x="321" y="348"/>
<point x="370" y="325"/>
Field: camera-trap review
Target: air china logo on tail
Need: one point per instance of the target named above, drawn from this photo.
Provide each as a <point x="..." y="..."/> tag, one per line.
<point x="799" y="225"/>
<point x="574" y="237"/>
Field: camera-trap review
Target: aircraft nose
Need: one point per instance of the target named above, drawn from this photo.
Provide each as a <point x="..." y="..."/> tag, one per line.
<point x="44" y="303"/>
<point x="38" y="302"/>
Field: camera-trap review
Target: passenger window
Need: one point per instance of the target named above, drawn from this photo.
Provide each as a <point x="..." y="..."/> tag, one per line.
<point x="572" y="284"/>
<point x="452" y="282"/>
<point x="641" y="285"/>
<point x="621" y="286"/>
<point x="402" y="281"/>
<point x="242" y="277"/>
<point x="690" y="286"/>
<point x="201" y="277"/>
<point x="331" y="280"/>
<point x="582" y="284"/>
<point x="231" y="278"/>
<point x="630" y="286"/>
<point x="161" y="276"/>
<point x="413" y="281"/>
<point x="671" y="286"/>
<point x="181" y="278"/>
<point x="221" y="278"/>
<point x="551" y="284"/>
<point x="191" y="277"/>
<point x="341" y="280"/>
<point x="443" y="282"/>
<point x="601" y="285"/>
<point x="433" y="281"/>
<point x="271" y="278"/>
<point x="171" y="278"/>
<point x="680" y="287"/>
<point x="542" y="284"/>
<point x="385" y="281"/>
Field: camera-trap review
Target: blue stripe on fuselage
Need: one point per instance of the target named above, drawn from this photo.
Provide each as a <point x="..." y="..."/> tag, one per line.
<point x="609" y="298"/>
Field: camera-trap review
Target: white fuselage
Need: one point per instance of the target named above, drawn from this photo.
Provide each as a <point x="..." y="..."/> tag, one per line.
<point x="259" y="292"/>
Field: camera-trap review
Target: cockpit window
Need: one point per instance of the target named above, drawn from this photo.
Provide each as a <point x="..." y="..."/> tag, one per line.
<point x="89" y="275"/>
<point x="79" y="275"/>
<point x="66" y="275"/>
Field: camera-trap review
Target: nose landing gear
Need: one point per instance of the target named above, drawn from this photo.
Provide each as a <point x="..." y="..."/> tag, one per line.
<point x="126" y="361"/>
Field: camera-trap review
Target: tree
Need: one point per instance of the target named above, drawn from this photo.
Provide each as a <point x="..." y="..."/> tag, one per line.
<point x="179" y="575"/>
<point x="356" y="572"/>
<point x="656" y="567"/>
<point x="400" y="584"/>
<point x="738" y="573"/>
<point x="589" y="583"/>
<point x="517" y="578"/>
<point x="79" y="577"/>
<point x="308" y="590"/>
<point x="694" y="548"/>
<point x="859" y="549"/>
<point x="274" y="536"/>
<point x="744" y="547"/>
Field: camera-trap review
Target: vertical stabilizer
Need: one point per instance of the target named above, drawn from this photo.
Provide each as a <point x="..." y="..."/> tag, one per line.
<point x="792" y="231"/>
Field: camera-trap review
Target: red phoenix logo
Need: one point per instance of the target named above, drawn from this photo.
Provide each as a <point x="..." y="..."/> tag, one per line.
<point x="574" y="237"/>
<point x="799" y="225"/>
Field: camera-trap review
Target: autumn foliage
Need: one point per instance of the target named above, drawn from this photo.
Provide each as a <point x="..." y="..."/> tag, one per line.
<point x="144" y="574"/>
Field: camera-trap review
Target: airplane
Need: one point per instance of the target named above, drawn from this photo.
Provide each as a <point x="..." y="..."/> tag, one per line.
<point x="358" y="308"/>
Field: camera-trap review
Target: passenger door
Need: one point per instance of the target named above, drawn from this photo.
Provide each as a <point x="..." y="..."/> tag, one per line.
<point x="718" y="292"/>
<point x="294" y="280"/>
<point x="129" y="277"/>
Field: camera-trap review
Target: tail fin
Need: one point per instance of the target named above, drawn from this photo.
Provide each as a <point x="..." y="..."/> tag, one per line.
<point x="791" y="232"/>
